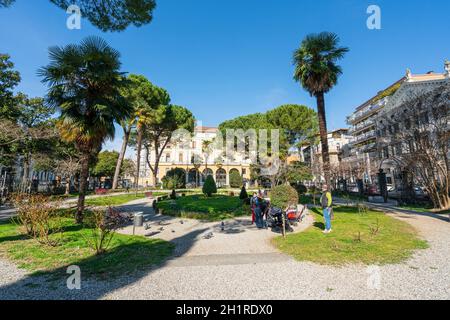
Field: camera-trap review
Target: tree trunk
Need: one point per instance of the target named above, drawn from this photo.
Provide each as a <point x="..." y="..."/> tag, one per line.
<point x="138" y="160"/>
<point x="68" y="186"/>
<point x="155" y="177"/>
<point x="84" y="174"/>
<point x="126" y="137"/>
<point x="323" y="136"/>
<point x="26" y="170"/>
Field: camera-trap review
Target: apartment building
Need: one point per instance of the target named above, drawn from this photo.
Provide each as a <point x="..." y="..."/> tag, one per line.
<point x="398" y="117"/>
<point x="362" y="159"/>
<point x="338" y="141"/>
<point x="195" y="161"/>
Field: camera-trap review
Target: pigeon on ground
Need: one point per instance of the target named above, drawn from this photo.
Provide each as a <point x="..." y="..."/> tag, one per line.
<point x="182" y="222"/>
<point x="209" y="235"/>
<point x="161" y="229"/>
<point x="147" y="226"/>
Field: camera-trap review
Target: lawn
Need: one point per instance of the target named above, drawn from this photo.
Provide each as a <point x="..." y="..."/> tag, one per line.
<point x="368" y="238"/>
<point x="113" y="200"/>
<point x="126" y="254"/>
<point x="216" y="208"/>
<point x="117" y="200"/>
<point x="424" y="208"/>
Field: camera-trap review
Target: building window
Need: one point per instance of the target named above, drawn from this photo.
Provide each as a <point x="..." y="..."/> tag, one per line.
<point x="424" y="118"/>
<point x="407" y="124"/>
<point x="168" y="157"/>
<point x="194" y="145"/>
<point x="180" y="158"/>
<point x="244" y="171"/>
<point x="386" y="152"/>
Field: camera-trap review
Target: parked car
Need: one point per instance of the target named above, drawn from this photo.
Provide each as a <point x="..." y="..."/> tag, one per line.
<point x="398" y="192"/>
<point x="373" y="189"/>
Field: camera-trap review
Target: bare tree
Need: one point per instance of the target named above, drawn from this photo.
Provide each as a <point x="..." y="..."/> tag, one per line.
<point x="68" y="168"/>
<point x="416" y="136"/>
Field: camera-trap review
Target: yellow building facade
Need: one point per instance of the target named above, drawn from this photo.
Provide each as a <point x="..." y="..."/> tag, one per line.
<point x="196" y="160"/>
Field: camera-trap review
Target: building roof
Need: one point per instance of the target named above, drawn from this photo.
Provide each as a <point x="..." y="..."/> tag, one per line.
<point x="426" y="77"/>
<point x="379" y="94"/>
<point x="206" y="129"/>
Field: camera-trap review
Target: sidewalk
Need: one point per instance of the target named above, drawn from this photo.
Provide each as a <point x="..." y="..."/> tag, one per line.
<point x="8" y="212"/>
<point x="389" y="208"/>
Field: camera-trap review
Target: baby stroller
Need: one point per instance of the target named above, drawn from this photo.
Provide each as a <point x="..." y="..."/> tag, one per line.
<point x="276" y="218"/>
<point x="295" y="214"/>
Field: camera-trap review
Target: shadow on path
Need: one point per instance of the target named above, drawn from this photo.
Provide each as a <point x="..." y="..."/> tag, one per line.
<point x="53" y="284"/>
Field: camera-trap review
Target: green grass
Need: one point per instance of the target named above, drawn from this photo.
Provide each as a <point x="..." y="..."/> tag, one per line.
<point x="426" y="208"/>
<point x="216" y="208"/>
<point x="352" y="240"/>
<point x="126" y="254"/>
<point x="113" y="200"/>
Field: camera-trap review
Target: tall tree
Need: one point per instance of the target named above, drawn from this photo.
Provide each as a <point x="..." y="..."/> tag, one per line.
<point x="207" y="149"/>
<point x="317" y="70"/>
<point x="165" y="121"/>
<point x="9" y="79"/>
<point x="298" y="122"/>
<point x="138" y="92"/>
<point x="295" y="123"/>
<point x="38" y="129"/>
<point x="146" y="98"/>
<point x="84" y="82"/>
<point x="106" y="164"/>
<point x="108" y="15"/>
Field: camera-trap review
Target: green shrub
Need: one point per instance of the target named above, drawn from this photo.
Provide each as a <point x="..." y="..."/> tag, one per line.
<point x="174" y="179"/>
<point x="283" y="196"/>
<point x="301" y="189"/>
<point x="243" y="195"/>
<point x="209" y="188"/>
<point x="235" y="179"/>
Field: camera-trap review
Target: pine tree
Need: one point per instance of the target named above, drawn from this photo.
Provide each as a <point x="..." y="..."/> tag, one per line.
<point x="243" y="195"/>
<point x="209" y="188"/>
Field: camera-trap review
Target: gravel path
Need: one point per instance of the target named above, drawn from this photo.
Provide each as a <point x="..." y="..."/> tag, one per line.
<point x="208" y="270"/>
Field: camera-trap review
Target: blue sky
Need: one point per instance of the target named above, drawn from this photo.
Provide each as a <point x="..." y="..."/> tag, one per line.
<point x="222" y="59"/>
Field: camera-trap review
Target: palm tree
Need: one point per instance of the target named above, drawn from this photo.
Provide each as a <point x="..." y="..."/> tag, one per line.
<point x="317" y="71"/>
<point x="84" y="82"/>
<point x="206" y="149"/>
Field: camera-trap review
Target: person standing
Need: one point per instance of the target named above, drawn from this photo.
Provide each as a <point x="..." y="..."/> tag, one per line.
<point x="326" y="201"/>
<point x="253" y="206"/>
<point x="259" y="202"/>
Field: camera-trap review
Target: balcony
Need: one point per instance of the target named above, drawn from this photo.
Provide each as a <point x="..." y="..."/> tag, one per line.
<point x="364" y="137"/>
<point x="359" y="115"/>
<point x="361" y="126"/>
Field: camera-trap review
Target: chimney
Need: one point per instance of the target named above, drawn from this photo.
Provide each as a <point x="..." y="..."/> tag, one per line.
<point x="447" y="68"/>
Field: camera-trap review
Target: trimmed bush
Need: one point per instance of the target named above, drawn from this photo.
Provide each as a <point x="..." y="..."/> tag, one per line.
<point x="243" y="195"/>
<point x="301" y="189"/>
<point x="175" y="179"/>
<point x="235" y="179"/>
<point x="209" y="188"/>
<point x="283" y="196"/>
<point x="173" y="195"/>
